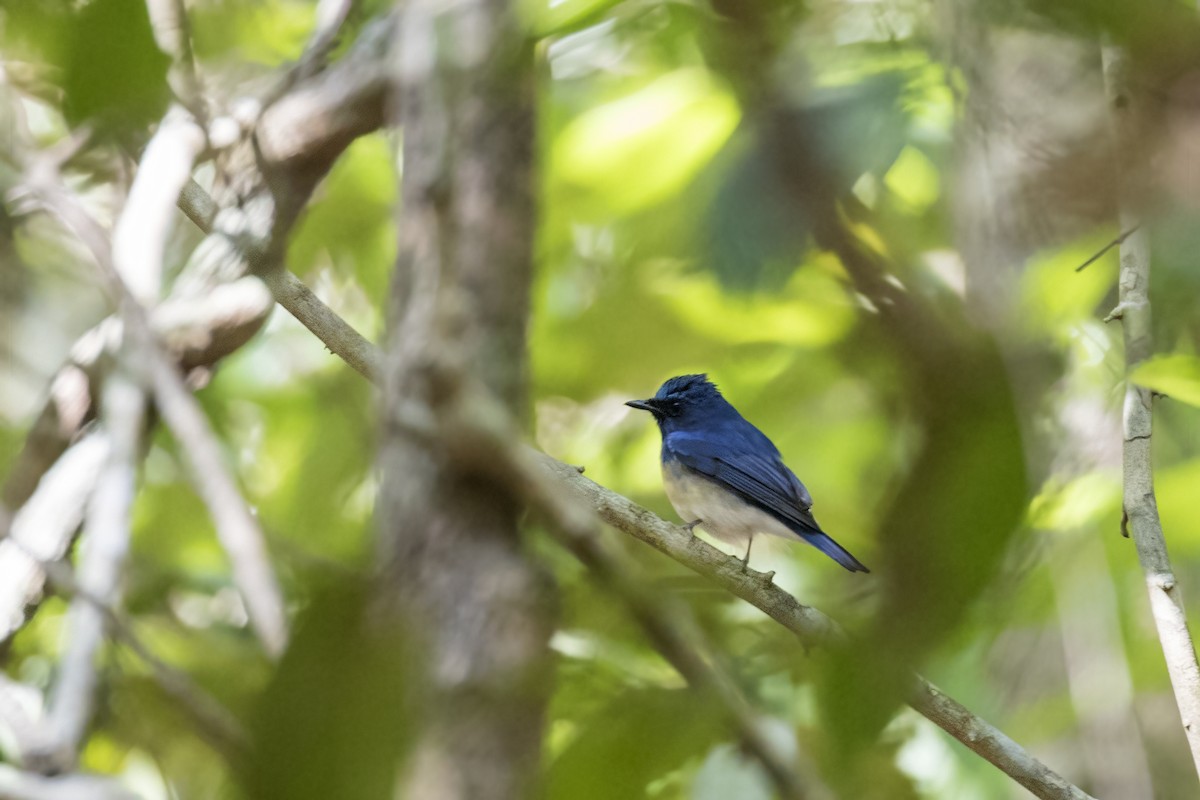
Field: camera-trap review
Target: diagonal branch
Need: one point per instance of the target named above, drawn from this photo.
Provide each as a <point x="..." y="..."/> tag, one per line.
<point x="811" y="626"/>
<point x="480" y="435"/>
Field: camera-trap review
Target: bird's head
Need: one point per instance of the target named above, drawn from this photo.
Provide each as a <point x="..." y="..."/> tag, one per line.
<point x="683" y="400"/>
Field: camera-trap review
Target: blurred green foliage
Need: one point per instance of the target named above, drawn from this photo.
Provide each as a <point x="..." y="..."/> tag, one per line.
<point x="669" y="241"/>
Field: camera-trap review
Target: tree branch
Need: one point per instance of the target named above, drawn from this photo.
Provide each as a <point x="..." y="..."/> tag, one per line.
<point x="481" y="436"/>
<point x="212" y="721"/>
<point x="811" y="626"/>
<point x="18" y="785"/>
<point x="43" y="529"/>
<point x="236" y="528"/>
<point x="214" y="307"/>
<point x="291" y="293"/>
<point x="1140" y="505"/>
<point x="101" y="567"/>
<point x="278" y="170"/>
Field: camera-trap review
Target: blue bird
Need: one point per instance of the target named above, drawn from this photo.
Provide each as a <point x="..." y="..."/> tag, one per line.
<point x="723" y="474"/>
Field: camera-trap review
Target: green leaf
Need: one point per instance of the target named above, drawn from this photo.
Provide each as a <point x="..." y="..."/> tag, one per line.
<point x="642" y="736"/>
<point x="116" y="76"/>
<point x="1177" y="376"/>
<point x="635" y="152"/>
<point x="339" y="715"/>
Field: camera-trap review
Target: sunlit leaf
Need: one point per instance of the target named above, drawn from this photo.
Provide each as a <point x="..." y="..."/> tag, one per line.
<point x="1079" y="503"/>
<point x="547" y="17"/>
<point x="914" y="179"/>
<point x="1177" y="376"/>
<point x="1055" y="298"/>
<point x="812" y="311"/>
<point x="636" y="151"/>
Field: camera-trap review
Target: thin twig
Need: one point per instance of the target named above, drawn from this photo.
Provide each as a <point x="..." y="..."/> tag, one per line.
<point x="291" y="293"/>
<point x="1140" y="505"/>
<point x="1117" y="242"/>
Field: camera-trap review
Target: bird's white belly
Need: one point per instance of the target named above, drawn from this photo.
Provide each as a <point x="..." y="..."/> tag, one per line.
<point x="721" y="513"/>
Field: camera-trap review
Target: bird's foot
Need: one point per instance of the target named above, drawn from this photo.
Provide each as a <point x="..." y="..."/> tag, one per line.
<point x="690" y="527"/>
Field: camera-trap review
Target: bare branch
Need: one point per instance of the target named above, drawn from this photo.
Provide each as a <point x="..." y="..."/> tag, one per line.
<point x="44" y="527"/>
<point x="348" y="100"/>
<point x="173" y="36"/>
<point x="291" y="293"/>
<point x="101" y="567"/>
<point x="236" y="528"/>
<point x="1140" y="505"/>
<point x="811" y="627"/>
<point x="341" y="339"/>
<point x="18" y="785"/>
<point x="140" y="236"/>
<point x="479" y="434"/>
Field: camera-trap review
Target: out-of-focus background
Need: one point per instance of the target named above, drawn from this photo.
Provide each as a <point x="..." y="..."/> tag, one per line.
<point x="970" y="143"/>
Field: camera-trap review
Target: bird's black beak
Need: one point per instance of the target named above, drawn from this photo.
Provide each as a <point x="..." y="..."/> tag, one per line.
<point x="644" y="405"/>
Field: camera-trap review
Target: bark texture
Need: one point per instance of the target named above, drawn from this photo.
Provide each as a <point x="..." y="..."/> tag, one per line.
<point x="454" y="567"/>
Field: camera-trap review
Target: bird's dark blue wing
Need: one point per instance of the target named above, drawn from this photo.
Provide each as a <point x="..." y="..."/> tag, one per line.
<point x="750" y="467"/>
<point x="744" y="461"/>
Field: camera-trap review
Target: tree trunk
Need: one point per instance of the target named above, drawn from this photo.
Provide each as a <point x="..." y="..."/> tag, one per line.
<point x="454" y="568"/>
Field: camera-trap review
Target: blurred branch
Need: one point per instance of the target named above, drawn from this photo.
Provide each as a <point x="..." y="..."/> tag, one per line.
<point x="449" y="545"/>
<point x="18" y="785"/>
<point x="101" y="568"/>
<point x="173" y="34"/>
<point x="811" y="626"/>
<point x="298" y="139"/>
<point x="44" y="527"/>
<point x="1140" y="505"/>
<point x="330" y="16"/>
<point x="291" y="293"/>
<point x="139" y="241"/>
<point x="139" y="238"/>
<point x="212" y="722"/>
<point x="236" y="528"/>
<point x="214" y="307"/>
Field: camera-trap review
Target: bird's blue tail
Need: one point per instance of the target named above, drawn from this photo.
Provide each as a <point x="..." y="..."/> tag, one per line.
<point x="834" y="550"/>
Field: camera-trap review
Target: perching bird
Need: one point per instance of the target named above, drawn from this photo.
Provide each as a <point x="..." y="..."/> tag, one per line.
<point x="725" y="475"/>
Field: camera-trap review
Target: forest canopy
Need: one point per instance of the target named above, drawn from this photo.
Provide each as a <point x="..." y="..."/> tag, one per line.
<point x="402" y="537"/>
